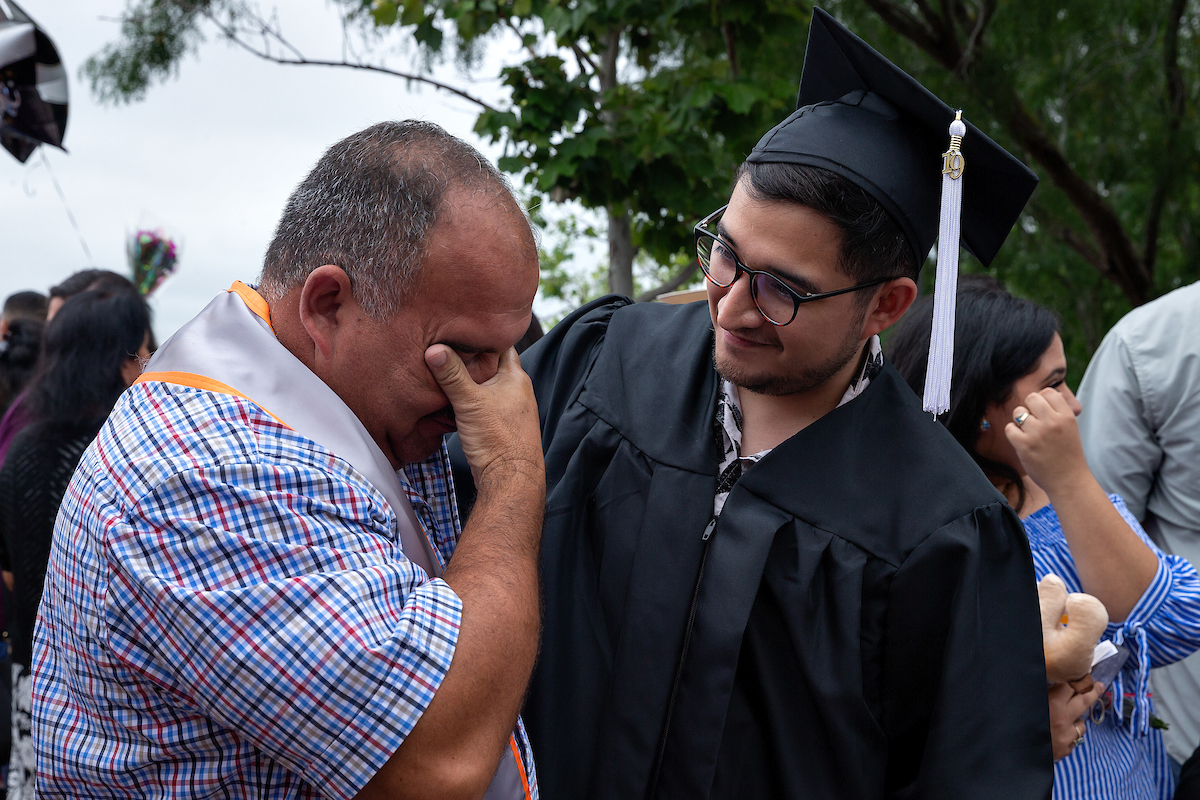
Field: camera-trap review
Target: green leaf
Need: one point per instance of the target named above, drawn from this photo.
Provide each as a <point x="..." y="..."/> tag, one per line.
<point x="414" y="12"/>
<point x="511" y="164"/>
<point x="522" y="8"/>
<point x="741" y="97"/>
<point x="384" y="12"/>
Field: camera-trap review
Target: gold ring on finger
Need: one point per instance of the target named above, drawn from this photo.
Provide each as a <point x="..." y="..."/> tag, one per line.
<point x="1020" y="419"/>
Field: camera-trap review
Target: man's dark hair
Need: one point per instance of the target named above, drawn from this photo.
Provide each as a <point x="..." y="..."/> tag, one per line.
<point x="998" y="339"/>
<point x="92" y="279"/>
<point x="83" y="349"/>
<point x="368" y="206"/>
<point x="26" y="305"/>
<point x="873" y="246"/>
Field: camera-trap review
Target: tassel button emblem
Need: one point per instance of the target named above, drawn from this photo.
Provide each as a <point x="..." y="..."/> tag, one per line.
<point x="953" y="162"/>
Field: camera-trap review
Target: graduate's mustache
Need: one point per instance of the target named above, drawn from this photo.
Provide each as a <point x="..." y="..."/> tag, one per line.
<point x="750" y="336"/>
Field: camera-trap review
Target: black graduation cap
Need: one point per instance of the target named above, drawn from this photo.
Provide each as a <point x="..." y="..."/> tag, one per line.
<point x="864" y="118"/>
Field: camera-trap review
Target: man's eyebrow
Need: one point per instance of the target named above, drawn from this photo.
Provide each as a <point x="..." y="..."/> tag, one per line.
<point x="801" y="283"/>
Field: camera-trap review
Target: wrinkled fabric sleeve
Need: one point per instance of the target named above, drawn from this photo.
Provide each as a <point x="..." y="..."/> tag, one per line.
<point x="1116" y="427"/>
<point x="269" y="609"/>
<point x="964" y="677"/>
<point x="558" y="364"/>
<point x="1169" y="610"/>
<point x="1163" y="626"/>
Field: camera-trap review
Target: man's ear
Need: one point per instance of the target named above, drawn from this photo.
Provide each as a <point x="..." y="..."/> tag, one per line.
<point x="891" y="301"/>
<point x="326" y="305"/>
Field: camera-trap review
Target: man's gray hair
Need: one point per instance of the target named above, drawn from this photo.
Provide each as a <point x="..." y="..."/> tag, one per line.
<point x="368" y="206"/>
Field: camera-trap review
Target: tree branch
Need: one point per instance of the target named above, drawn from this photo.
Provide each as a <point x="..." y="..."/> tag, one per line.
<point x="682" y="278"/>
<point x="982" y="17"/>
<point x="728" y="31"/>
<point x="262" y="27"/>
<point x="1176" y="97"/>
<point x="1068" y="236"/>
<point x="927" y="13"/>
<point x="1118" y="259"/>
<point x="908" y="26"/>
<point x="583" y="58"/>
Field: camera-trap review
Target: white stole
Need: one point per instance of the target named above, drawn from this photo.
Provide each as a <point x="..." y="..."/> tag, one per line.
<point x="231" y="344"/>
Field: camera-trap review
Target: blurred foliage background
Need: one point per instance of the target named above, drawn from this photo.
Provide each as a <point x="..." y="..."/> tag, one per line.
<point x="641" y="111"/>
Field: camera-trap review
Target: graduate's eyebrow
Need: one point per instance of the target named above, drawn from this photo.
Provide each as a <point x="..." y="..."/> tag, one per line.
<point x="800" y="282"/>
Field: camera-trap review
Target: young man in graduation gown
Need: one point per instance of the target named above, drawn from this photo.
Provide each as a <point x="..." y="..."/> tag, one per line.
<point x="778" y="577"/>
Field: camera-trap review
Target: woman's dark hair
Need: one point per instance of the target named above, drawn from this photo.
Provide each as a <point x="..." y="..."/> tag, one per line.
<point x="92" y="279"/>
<point x="83" y="349"/>
<point x="873" y="246"/>
<point x="998" y="339"/>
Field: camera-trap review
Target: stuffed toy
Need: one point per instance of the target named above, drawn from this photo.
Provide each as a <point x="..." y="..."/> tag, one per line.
<point x="1072" y="624"/>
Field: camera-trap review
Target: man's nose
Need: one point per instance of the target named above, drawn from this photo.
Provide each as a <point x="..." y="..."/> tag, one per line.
<point x="737" y="309"/>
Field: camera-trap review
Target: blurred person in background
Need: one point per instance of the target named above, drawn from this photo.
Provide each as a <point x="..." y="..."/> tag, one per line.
<point x="1011" y="409"/>
<point x="23" y="305"/>
<point x="15" y="417"/>
<point x="1141" y="434"/>
<point x="93" y="350"/>
<point x="83" y="280"/>
<point x="21" y="324"/>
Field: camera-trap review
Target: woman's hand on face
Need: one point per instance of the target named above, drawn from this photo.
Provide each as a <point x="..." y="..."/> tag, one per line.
<point x="1067" y="716"/>
<point x="1047" y="440"/>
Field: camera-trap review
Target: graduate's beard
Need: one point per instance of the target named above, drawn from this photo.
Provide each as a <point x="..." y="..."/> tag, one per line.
<point x="812" y="376"/>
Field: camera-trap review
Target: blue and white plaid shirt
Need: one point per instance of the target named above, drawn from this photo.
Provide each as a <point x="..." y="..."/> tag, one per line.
<point x="227" y="611"/>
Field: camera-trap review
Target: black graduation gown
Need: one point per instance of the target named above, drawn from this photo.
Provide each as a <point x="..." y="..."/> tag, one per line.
<point x="861" y="622"/>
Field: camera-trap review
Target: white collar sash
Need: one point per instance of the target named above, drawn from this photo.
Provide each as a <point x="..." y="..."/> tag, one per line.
<point x="230" y="347"/>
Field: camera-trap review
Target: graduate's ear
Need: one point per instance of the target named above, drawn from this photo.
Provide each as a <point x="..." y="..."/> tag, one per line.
<point x="326" y="305"/>
<point x="891" y="300"/>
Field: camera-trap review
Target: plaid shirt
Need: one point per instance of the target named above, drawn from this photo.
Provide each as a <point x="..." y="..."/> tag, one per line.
<point x="227" y="611"/>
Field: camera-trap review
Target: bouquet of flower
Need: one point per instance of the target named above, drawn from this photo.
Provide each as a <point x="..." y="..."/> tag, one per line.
<point x="152" y="256"/>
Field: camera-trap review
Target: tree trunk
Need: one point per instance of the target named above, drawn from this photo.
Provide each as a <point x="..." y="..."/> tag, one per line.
<point x="620" y="232"/>
<point x="620" y="254"/>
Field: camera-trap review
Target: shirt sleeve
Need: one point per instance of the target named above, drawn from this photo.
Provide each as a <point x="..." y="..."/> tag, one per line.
<point x="1116" y="427"/>
<point x="1162" y="627"/>
<point x="273" y="601"/>
<point x="1169" y="610"/>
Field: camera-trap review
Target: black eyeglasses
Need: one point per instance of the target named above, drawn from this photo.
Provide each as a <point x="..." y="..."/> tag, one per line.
<point x="774" y="299"/>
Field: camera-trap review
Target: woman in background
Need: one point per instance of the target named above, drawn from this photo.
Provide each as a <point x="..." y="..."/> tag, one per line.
<point x="93" y="349"/>
<point x="1011" y="409"/>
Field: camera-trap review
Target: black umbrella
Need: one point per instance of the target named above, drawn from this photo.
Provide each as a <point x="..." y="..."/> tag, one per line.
<point x="33" y="85"/>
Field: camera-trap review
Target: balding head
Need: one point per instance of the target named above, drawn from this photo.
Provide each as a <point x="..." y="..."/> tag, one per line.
<point x="368" y="207"/>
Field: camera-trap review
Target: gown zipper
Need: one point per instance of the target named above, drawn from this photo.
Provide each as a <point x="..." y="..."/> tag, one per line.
<point x="706" y="539"/>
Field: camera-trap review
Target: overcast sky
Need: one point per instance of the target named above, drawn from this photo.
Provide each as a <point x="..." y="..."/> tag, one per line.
<point x="212" y="156"/>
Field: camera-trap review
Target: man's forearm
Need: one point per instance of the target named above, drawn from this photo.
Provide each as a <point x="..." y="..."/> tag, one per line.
<point x="455" y="746"/>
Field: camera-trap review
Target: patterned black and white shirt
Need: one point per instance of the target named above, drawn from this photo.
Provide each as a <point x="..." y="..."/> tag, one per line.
<point x="729" y="424"/>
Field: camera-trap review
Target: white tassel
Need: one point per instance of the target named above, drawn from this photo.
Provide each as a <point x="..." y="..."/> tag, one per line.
<point x="941" y="338"/>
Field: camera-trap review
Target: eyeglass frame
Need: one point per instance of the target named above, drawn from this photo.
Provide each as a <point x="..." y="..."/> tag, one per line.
<point x="738" y="268"/>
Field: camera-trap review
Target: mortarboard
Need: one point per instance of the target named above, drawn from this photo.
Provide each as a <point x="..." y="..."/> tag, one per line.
<point x="864" y="118"/>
